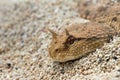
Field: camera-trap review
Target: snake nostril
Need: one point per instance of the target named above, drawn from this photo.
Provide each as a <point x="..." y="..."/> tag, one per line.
<point x="56" y="49"/>
<point x="114" y="19"/>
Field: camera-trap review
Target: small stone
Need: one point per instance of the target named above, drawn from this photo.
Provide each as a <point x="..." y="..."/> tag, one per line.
<point x="0" y="70"/>
<point x="8" y="65"/>
<point x="107" y="59"/>
<point x="118" y="70"/>
<point x="62" y="71"/>
<point x="99" y="60"/>
<point x="114" y="57"/>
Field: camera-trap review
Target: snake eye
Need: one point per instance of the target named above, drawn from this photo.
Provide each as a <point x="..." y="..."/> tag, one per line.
<point x="55" y="42"/>
<point x="70" y="40"/>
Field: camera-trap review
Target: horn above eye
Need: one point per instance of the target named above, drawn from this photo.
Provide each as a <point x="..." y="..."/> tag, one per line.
<point x="53" y="33"/>
<point x="66" y="32"/>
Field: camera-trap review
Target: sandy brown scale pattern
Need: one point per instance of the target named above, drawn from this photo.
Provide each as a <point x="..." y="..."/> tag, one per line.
<point x="102" y="12"/>
<point x="78" y="40"/>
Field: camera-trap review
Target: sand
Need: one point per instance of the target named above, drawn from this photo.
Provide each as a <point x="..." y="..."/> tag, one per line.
<point x="24" y="44"/>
